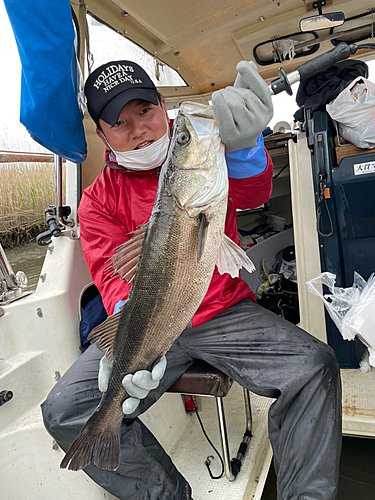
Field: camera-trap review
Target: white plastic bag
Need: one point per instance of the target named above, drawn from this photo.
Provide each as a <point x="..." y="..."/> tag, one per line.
<point x="353" y="109"/>
<point x="351" y="309"/>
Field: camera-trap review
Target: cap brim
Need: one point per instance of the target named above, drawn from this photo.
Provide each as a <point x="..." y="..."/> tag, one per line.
<point x="113" y="109"/>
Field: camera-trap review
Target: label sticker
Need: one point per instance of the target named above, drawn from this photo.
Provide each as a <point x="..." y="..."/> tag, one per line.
<point x="364" y="168"/>
<point x="359" y="91"/>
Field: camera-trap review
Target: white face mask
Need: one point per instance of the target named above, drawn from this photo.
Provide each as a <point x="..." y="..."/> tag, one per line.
<point x="146" y="158"/>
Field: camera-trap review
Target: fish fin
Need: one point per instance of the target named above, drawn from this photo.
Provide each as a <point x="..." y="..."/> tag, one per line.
<point x="130" y="241"/>
<point x="127" y="270"/>
<point x="140" y="229"/>
<point x="126" y="258"/>
<point x="202" y="236"/>
<point x="95" y="444"/>
<point x="232" y="258"/>
<point x="105" y="334"/>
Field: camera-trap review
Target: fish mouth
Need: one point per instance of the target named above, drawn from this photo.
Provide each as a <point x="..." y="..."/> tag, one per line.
<point x="144" y="144"/>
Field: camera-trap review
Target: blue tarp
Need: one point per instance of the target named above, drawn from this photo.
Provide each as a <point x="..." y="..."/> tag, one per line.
<point x="45" y="35"/>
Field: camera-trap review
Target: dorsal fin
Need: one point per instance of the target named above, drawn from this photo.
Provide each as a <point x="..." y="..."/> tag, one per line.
<point x="123" y="261"/>
<point x="126" y="270"/>
<point x="105" y="334"/>
<point x="131" y="241"/>
<point x="126" y="258"/>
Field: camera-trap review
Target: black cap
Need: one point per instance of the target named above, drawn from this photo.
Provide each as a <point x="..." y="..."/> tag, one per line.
<point x="113" y="85"/>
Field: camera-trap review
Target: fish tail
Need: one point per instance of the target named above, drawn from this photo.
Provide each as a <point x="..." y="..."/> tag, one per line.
<point x="96" y="444"/>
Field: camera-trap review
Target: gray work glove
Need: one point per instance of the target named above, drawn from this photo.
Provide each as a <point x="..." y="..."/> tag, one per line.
<point x="243" y="111"/>
<point x="137" y="386"/>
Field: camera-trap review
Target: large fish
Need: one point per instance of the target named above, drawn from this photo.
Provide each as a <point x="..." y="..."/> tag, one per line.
<point x="175" y="257"/>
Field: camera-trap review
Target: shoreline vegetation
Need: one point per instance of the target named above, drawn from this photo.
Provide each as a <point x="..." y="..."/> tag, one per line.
<point x="26" y="189"/>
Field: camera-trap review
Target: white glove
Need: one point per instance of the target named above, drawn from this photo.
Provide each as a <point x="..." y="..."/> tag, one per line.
<point x="137" y="386"/>
<point x="243" y="111"/>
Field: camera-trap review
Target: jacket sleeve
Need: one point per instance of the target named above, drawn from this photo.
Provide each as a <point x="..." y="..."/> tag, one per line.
<point x="255" y="188"/>
<point x="100" y="234"/>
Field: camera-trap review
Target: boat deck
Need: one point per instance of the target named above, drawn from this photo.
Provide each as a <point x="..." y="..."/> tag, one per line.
<point x="358" y="402"/>
<point x="190" y="450"/>
<point x="183" y="439"/>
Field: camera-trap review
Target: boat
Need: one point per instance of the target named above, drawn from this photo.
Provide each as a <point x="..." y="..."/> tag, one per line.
<point x="192" y="50"/>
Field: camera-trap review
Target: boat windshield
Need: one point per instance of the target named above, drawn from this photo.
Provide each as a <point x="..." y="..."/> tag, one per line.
<point x="107" y="44"/>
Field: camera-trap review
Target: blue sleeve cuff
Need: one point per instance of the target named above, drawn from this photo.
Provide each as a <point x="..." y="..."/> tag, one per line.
<point x="118" y="305"/>
<point x="247" y="162"/>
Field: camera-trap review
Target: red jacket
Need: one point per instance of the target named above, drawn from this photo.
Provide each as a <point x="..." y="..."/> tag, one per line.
<point x="119" y="201"/>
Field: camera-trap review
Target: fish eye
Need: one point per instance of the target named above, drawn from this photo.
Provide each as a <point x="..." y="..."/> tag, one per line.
<point x="183" y="138"/>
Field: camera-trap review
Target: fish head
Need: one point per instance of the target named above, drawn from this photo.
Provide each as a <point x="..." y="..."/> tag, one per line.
<point x="198" y="176"/>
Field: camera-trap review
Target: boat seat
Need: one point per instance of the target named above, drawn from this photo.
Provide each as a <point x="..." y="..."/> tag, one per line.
<point x="202" y="379"/>
<point x="206" y="380"/>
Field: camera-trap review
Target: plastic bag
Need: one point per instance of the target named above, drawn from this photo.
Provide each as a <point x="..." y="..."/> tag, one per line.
<point x="353" y="109"/>
<point x="351" y="309"/>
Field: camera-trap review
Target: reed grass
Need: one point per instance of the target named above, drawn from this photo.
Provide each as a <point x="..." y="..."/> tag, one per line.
<point x="26" y="189"/>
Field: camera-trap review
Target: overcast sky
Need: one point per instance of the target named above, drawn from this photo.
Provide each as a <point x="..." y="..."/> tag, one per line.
<point x="284" y="105"/>
<point x="10" y="80"/>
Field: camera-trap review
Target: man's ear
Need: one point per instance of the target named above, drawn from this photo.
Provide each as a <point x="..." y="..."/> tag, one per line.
<point x="99" y="133"/>
<point x="164" y="106"/>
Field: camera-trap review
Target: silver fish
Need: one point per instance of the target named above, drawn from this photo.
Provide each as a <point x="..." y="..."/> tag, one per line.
<point x="171" y="263"/>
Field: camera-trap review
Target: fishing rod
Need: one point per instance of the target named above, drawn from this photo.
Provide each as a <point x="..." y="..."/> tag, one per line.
<point x="311" y="68"/>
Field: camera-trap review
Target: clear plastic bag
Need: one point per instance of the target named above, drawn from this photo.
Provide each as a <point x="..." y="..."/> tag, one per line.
<point x="351" y="309"/>
<point x="353" y="109"/>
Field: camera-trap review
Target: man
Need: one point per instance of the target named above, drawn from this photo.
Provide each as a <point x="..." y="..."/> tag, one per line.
<point x="259" y="350"/>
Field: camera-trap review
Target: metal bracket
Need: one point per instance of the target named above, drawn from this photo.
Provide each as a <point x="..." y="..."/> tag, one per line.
<point x="319" y="4"/>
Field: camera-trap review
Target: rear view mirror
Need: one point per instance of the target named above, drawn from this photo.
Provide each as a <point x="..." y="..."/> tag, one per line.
<point x="285" y="48"/>
<point x="355" y="29"/>
<point x="322" y="21"/>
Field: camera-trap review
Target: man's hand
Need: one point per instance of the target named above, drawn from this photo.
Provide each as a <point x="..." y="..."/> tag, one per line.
<point x="137" y="386"/>
<point x="243" y="111"/>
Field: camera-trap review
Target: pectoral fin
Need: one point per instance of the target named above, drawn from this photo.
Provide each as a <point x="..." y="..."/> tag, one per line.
<point x="202" y="236"/>
<point x="232" y="258"/>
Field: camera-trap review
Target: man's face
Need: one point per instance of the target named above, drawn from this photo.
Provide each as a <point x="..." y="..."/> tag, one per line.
<point x="140" y="124"/>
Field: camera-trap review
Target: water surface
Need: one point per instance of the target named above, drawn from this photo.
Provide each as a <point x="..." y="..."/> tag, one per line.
<point x="28" y="258"/>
